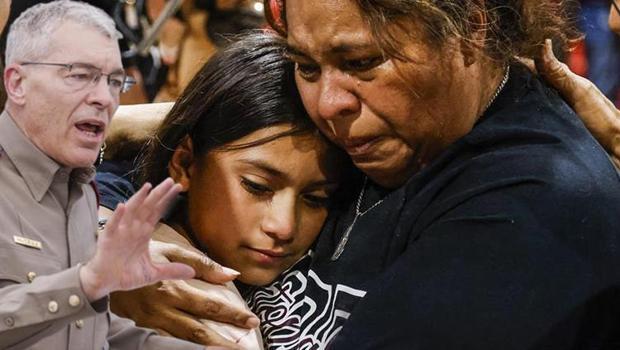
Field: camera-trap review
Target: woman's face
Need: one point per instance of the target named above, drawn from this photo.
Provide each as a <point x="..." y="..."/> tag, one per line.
<point x="392" y="117"/>
<point x="258" y="209"/>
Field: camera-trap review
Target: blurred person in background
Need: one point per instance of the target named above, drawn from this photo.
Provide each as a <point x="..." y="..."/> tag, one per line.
<point x="614" y="16"/>
<point x="188" y="37"/>
<point x="602" y="47"/>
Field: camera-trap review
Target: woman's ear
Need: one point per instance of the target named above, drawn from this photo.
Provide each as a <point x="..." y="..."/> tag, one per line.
<point x="181" y="164"/>
<point x="472" y="46"/>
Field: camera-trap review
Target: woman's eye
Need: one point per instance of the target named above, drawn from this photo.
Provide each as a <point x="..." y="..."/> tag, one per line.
<point x="307" y="71"/>
<point x="255" y="188"/>
<point x="361" y="65"/>
<point x="316" y="201"/>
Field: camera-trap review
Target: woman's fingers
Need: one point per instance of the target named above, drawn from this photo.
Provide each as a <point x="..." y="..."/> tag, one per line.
<point x="173" y="271"/>
<point x="202" y="304"/>
<point x="597" y="112"/>
<point x="183" y="326"/>
<point x="555" y="72"/>
<point x="156" y="306"/>
<point x="205" y="268"/>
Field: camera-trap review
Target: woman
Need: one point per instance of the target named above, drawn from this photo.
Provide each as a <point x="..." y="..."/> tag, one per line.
<point x="257" y="176"/>
<point x="487" y="218"/>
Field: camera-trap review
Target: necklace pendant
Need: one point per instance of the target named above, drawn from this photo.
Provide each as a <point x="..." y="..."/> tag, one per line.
<point x="343" y="241"/>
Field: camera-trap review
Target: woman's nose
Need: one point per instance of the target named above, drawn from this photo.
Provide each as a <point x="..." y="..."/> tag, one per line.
<point x="336" y="96"/>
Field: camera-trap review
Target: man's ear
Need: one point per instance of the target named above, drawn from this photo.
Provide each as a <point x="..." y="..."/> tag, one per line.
<point x="14" y="84"/>
<point x="181" y="164"/>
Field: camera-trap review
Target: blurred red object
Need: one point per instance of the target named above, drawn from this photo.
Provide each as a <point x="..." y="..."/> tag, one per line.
<point x="577" y="60"/>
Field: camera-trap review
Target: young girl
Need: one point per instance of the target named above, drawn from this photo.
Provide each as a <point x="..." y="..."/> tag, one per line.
<point x="257" y="176"/>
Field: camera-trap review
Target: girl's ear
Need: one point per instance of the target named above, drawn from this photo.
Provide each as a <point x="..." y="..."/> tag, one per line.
<point x="181" y="164"/>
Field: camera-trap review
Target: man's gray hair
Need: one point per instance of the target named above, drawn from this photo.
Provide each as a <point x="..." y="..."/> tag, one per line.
<point x="28" y="37"/>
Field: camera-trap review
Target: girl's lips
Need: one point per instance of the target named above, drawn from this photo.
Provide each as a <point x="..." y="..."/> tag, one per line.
<point x="269" y="257"/>
<point x="274" y="253"/>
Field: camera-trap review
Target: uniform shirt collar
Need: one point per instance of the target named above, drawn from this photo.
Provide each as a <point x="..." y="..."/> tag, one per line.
<point x="37" y="169"/>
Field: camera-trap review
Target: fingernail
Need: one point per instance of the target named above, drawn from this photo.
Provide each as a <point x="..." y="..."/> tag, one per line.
<point x="230" y="271"/>
<point x="252" y="322"/>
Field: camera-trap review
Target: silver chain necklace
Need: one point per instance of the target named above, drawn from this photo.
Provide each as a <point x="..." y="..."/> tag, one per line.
<point x="499" y="89"/>
<point x="358" y="214"/>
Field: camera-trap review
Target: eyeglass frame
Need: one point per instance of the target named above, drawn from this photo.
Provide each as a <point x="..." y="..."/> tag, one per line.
<point x="126" y="85"/>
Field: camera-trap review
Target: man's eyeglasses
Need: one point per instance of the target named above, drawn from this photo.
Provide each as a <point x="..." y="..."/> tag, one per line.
<point x="616" y="6"/>
<point x="79" y="75"/>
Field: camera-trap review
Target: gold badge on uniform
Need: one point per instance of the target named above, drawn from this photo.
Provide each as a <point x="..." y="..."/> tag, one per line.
<point x="27" y="242"/>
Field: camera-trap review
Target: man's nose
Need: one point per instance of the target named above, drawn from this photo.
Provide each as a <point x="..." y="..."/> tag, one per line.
<point x="101" y="94"/>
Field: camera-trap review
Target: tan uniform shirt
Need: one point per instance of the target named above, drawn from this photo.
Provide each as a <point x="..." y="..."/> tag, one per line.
<point x="48" y="217"/>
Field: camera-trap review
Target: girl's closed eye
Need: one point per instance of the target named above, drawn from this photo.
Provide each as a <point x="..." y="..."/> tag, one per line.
<point x="316" y="201"/>
<point x="255" y="188"/>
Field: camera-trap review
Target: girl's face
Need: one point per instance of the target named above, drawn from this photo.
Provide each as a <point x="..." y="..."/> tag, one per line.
<point x="258" y="209"/>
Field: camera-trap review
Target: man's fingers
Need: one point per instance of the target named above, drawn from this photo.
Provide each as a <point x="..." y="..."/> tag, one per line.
<point x="112" y="223"/>
<point x="165" y="201"/>
<point x="149" y="209"/>
<point x="137" y="199"/>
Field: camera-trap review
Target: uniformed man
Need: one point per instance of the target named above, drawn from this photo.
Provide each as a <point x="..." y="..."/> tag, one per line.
<point x="63" y="78"/>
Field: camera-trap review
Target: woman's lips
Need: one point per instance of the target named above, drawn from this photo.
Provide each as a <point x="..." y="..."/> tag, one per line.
<point x="360" y="147"/>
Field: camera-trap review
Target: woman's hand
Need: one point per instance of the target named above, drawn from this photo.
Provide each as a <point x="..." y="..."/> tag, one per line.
<point x="175" y="307"/>
<point x="598" y="113"/>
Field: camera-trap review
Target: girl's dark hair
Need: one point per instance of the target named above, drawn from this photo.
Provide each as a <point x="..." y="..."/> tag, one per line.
<point x="513" y="27"/>
<point x="246" y="86"/>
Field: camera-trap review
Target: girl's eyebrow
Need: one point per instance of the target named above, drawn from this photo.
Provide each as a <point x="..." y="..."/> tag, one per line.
<point x="273" y="171"/>
<point x="266" y="167"/>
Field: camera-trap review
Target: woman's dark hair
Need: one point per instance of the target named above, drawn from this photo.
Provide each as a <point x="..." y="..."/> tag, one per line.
<point x="513" y="27"/>
<point x="245" y="87"/>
